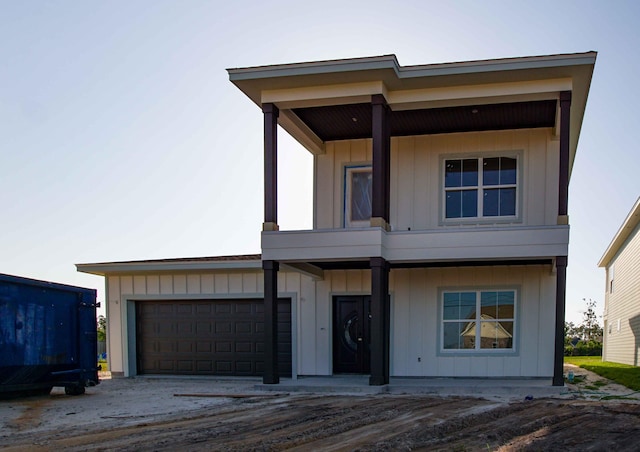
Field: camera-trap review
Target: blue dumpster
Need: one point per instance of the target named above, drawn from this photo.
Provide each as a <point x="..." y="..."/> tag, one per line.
<point x="48" y="337"/>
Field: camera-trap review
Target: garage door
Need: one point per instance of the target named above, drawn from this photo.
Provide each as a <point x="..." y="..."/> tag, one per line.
<point x="208" y="337"/>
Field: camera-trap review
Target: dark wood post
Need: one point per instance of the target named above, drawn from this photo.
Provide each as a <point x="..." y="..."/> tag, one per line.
<point x="561" y="261"/>
<point x="561" y="286"/>
<point x="381" y="158"/>
<point x="271" y="375"/>
<point x="565" y="116"/>
<point x="380" y="318"/>
<point x="270" y="112"/>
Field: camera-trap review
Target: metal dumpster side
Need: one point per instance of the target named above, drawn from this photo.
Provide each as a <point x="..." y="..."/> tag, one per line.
<point x="48" y="336"/>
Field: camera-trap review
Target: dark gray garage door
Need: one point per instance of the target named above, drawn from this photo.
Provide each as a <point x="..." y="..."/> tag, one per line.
<point x="208" y="337"/>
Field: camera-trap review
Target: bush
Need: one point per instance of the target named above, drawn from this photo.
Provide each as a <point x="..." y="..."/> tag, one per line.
<point x="590" y="348"/>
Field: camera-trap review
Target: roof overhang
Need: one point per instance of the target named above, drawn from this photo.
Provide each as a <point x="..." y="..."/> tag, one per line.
<point x="337" y="87"/>
<point x="180" y="265"/>
<point x="628" y="226"/>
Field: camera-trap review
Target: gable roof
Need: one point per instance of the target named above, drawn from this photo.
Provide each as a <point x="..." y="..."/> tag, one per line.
<point x="628" y="226"/>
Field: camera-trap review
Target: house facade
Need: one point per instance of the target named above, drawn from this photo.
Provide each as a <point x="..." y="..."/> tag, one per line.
<point x="621" y="261"/>
<point x="440" y="228"/>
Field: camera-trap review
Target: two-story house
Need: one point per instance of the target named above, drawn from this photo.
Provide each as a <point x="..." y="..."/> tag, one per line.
<point x="621" y="261"/>
<point x="440" y="231"/>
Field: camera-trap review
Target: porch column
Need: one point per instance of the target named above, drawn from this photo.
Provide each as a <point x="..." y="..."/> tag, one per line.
<point x="563" y="182"/>
<point x="271" y="375"/>
<point x="270" y="112"/>
<point x="561" y="287"/>
<point x="563" y="218"/>
<point x="380" y="318"/>
<point x="381" y="161"/>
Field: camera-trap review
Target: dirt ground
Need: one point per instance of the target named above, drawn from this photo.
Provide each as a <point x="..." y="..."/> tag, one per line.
<point x="231" y="415"/>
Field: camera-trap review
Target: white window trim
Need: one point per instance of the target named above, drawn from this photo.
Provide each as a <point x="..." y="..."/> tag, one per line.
<point x="348" y="170"/>
<point x="519" y="185"/>
<point x="478" y="351"/>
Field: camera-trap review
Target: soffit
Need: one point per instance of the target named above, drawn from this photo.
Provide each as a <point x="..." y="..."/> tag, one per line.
<point x="342" y="122"/>
<point x="393" y="78"/>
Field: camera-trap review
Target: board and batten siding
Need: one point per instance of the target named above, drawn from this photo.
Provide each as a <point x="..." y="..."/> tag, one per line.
<point x="416" y="175"/>
<point x="415" y="321"/>
<point x="414" y="315"/>
<point x="622" y="306"/>
<point x="122" y="290"/>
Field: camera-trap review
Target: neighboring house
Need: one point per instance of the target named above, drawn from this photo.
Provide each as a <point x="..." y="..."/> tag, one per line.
<point x="439" y="205"/>
<point x="621" y="261"/>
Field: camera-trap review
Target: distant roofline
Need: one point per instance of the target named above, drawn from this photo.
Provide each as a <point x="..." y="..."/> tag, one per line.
<point x="233" y="262"/>
<point x="628" y="226"/>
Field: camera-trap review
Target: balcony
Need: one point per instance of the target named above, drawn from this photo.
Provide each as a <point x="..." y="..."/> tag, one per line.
<point x="398" y="247"/>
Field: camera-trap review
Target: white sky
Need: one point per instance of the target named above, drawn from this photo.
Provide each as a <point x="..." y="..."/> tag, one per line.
<point x="121" y="137"/>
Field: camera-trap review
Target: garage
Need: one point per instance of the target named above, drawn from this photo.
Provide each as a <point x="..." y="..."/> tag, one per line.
<point x="208" y="337"/>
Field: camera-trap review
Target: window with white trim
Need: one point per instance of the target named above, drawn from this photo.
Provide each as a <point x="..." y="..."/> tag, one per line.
<point x="357" y="196"/>
<point x="478" y="320"/>
<point x="484" y="187"/>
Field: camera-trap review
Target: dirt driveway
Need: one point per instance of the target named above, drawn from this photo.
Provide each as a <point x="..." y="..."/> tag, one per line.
<point x="205" y="414"/>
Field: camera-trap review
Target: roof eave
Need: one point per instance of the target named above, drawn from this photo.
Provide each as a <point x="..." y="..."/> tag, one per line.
<point x="628" y="226"/>
<point x="109" y="268"/>
<point x="579" y="66"/>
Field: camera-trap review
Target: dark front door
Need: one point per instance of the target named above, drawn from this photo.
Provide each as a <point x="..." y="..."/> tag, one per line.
<point x="351" y="338"/>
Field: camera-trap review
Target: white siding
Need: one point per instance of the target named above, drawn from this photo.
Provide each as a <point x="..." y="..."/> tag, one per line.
<point x="415" y="346"/>
<point x="416" y="179"/>
<point x="623" y="304"/>
<point x="415" y="330"/>
<point x="415" y="321"/>
<point x="123" y="289"/>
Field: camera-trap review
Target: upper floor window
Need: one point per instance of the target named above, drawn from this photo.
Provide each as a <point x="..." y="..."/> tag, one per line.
<point x="478" y="320"/>
<point x="357" y="197"/>
<point x="610" y="275"/>
<point x="482" y="187"/>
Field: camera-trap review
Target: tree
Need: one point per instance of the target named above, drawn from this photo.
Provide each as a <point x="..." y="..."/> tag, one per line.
<point x="590" y="329"/>
<point x="585" y="338"/>
<point x="102" y="328"/>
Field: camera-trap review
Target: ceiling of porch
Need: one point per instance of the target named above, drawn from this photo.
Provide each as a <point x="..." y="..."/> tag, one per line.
<point x="353" y="121"/>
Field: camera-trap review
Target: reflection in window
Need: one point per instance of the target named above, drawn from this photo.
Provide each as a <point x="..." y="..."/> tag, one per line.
<point x="358" y="189"/>
<point x="493" y="311"/>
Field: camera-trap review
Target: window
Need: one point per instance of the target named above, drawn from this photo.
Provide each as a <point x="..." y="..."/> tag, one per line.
<point x="478" y="320"/>
<point x="357" y="199"/>
<point x="611" y="275"/>
<point x="483" y="187"/>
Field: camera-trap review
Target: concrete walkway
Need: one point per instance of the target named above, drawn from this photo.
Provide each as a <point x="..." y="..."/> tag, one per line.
<point x="359" y="384"/>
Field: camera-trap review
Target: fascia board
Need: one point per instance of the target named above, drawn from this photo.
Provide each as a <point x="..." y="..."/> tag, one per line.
<point x="314" y="68"/>
<point x="504" y="64"/>
<point x="150" y="267"/>
<point x="628" y="226"/>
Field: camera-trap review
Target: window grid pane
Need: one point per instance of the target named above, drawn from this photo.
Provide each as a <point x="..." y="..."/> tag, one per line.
<point x="497" y="182"/>
<point x="493" y="311"/>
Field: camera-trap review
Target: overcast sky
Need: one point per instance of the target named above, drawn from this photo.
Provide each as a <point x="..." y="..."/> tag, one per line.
<point x="121" y="137"/>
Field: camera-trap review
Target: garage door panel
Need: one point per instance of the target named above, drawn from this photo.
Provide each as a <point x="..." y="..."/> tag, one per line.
<point x="212" y="337"/>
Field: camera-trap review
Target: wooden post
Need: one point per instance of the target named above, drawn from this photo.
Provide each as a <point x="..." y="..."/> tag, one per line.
<point x="561" y="289"/>
<point x="381" y="159"/>
<point x="270" y="112"/>
<point x="271" y="375"/>
<point x="563" y="187"/>
<point x="380" y="322"/>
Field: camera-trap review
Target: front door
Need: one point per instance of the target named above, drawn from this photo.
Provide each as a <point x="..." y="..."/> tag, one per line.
<point x="351" y="338"/>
